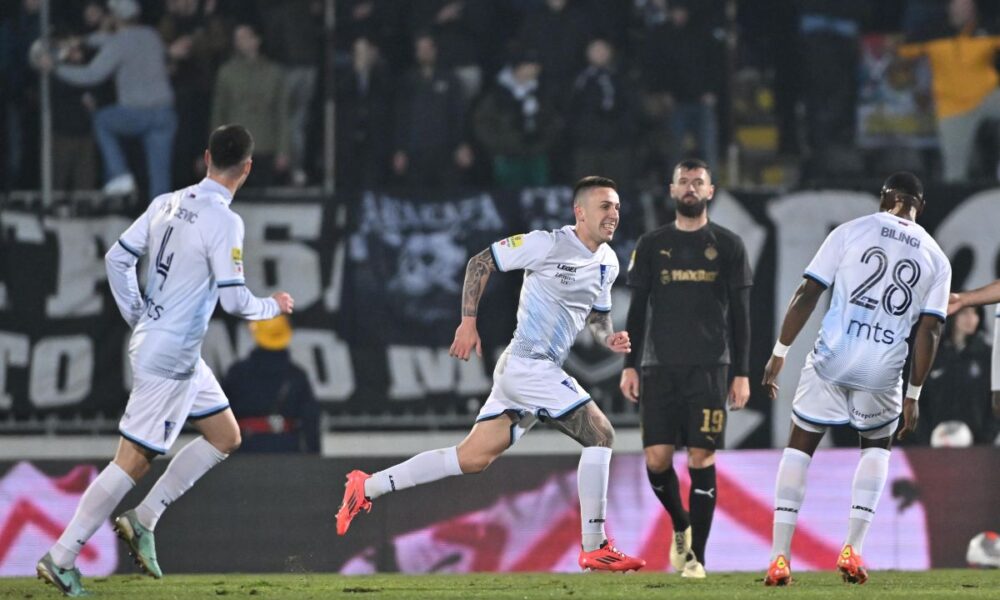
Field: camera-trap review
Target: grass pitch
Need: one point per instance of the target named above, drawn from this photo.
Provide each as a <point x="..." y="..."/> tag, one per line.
<point x="966" y="584"/>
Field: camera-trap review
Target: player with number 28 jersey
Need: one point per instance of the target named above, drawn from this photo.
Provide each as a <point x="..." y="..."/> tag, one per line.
<point x="885" y="272"/>
<point x="889" y="277"/>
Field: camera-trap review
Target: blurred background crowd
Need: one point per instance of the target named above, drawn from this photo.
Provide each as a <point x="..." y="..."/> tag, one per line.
<point x="439" y="93"/>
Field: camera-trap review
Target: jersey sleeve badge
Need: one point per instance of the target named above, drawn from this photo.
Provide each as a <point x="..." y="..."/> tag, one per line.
<point x="237" y="255"/>
<point x="513" y="241"/>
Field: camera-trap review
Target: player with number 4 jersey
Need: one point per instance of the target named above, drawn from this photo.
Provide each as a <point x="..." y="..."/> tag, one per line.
<point x="888" y="275"/>
<point x="194" y="244"/>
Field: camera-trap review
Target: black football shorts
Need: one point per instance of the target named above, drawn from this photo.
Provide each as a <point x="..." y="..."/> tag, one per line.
<point x="684" y="406"/>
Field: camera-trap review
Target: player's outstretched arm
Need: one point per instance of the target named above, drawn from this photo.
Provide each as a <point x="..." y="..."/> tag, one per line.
<point x="239" y="302"/>
<point x="988" y="294"/>
<point x="925" y="346"/>
<point x="799" y="310"/>
<point x="477" y="273"/>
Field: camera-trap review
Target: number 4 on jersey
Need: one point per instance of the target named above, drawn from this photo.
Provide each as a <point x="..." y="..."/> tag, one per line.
<point x="163" y="259"/>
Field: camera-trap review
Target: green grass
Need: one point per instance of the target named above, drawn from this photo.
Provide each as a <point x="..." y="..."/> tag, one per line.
<point x="883" y="584"/>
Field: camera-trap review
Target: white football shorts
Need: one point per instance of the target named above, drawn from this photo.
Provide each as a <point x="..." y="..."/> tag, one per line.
<point x="158" y="407"/>
<point x="533" y="390"/>
<point x="819" y="404"/>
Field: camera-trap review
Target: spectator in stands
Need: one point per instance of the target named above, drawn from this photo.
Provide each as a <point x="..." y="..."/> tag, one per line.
<point x="682" y="66"/>
<point x="364" y="118"/>
<point x="602" y="117"/>
<point x="465" y="32"/>
<point x="250" y="90"/>
<point x="271" y="395"/>
<point x="96" y="17"/>
<point x="135" y="56"/>
<point x="383" y="22"/>
<point x="558" y="32"/>
<point x="197" y="42"/>
<point x="517" y="124"/>
<point x="964" y="71"/>
<point x="431" y="149"/>
<point x="18" y="98"/>
<point x="74" y="157"/>
<point x="293" y="31"/>
<point x="958" y="386"/>
<point x="829" y="51"/>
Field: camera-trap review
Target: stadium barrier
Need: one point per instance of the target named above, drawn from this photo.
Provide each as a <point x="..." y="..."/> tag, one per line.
<point x="377" y="278"/>
<point x="274" y="513"/>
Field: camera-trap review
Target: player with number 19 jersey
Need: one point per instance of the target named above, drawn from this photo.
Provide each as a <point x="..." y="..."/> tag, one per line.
<point x="886" y="272"/>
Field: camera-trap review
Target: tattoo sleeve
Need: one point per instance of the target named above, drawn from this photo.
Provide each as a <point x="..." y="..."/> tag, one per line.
<point x="587" y="425"/>
<point x="599" y="324"/>
<point x="477" y="273"/>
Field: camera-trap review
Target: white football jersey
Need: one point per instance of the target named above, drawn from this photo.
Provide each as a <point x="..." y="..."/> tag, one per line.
<point x="195" y="247"/>
<point x="563" y="281"/>
<point x="885" y="272"/>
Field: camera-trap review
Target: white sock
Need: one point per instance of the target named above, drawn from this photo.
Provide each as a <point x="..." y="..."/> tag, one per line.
<point x="869" y="479"/>
<point x="422" y="468"/>
<point x="96" y="505"/>
<point x="193" y="461"/>
<point x="592" y="484"/>
<point x="789" y="490"/>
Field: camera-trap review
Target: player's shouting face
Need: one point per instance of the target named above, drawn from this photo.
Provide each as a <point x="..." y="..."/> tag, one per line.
<point x="597" y="215"/>
<point x="691" y="189"/>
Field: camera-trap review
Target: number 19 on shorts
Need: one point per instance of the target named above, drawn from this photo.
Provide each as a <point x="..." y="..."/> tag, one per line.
<point x="712" y="420"/>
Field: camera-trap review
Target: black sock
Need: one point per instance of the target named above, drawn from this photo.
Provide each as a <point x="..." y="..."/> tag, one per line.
<point x="668" y="490"/>
<point x="702" y="502"/>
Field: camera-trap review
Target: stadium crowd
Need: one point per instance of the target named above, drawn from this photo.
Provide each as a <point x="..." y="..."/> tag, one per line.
<point x="439" y="93"/>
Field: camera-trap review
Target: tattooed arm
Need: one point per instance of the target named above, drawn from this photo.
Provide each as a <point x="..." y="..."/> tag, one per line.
<point x="477" y="273"/>
<point x="599" y="324"/>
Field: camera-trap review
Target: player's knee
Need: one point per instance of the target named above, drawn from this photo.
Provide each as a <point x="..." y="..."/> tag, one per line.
<point x="701" y="458"/>
<point x="658" y="463"/>
<point x="471" y="465"/>
<point x="601" y="435"/>
<point x="228" y="443"/>
<point x="609" y="435"/>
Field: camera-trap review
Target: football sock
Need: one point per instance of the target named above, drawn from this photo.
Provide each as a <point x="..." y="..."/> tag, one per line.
<point x="789" y="490"/>
<point x="668" y="491"/>
<point x="193" y="461"/>
<point x="869" y="479"/>
<point x="422" y="468"/>
<point x="592" y="485"/>
<point x="96" y="505"/>
<point x="701" y="499"/>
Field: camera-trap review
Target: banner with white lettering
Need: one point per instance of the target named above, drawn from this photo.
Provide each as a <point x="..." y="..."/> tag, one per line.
<point x="377" y="280"/>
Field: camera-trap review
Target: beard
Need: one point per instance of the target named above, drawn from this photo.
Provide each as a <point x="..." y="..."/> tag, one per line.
<point x="692" y="210"/>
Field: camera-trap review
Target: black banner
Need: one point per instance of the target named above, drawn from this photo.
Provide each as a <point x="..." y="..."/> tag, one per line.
<point x="377" y="281"/>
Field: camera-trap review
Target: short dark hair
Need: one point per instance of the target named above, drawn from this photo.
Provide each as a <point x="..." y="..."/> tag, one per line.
<point x="690" y="164"/>
<point x="904" y="182"/>
<point x="905" y="187"/>
<point x="229" y="146"/>
<point x="592" y="181"/>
